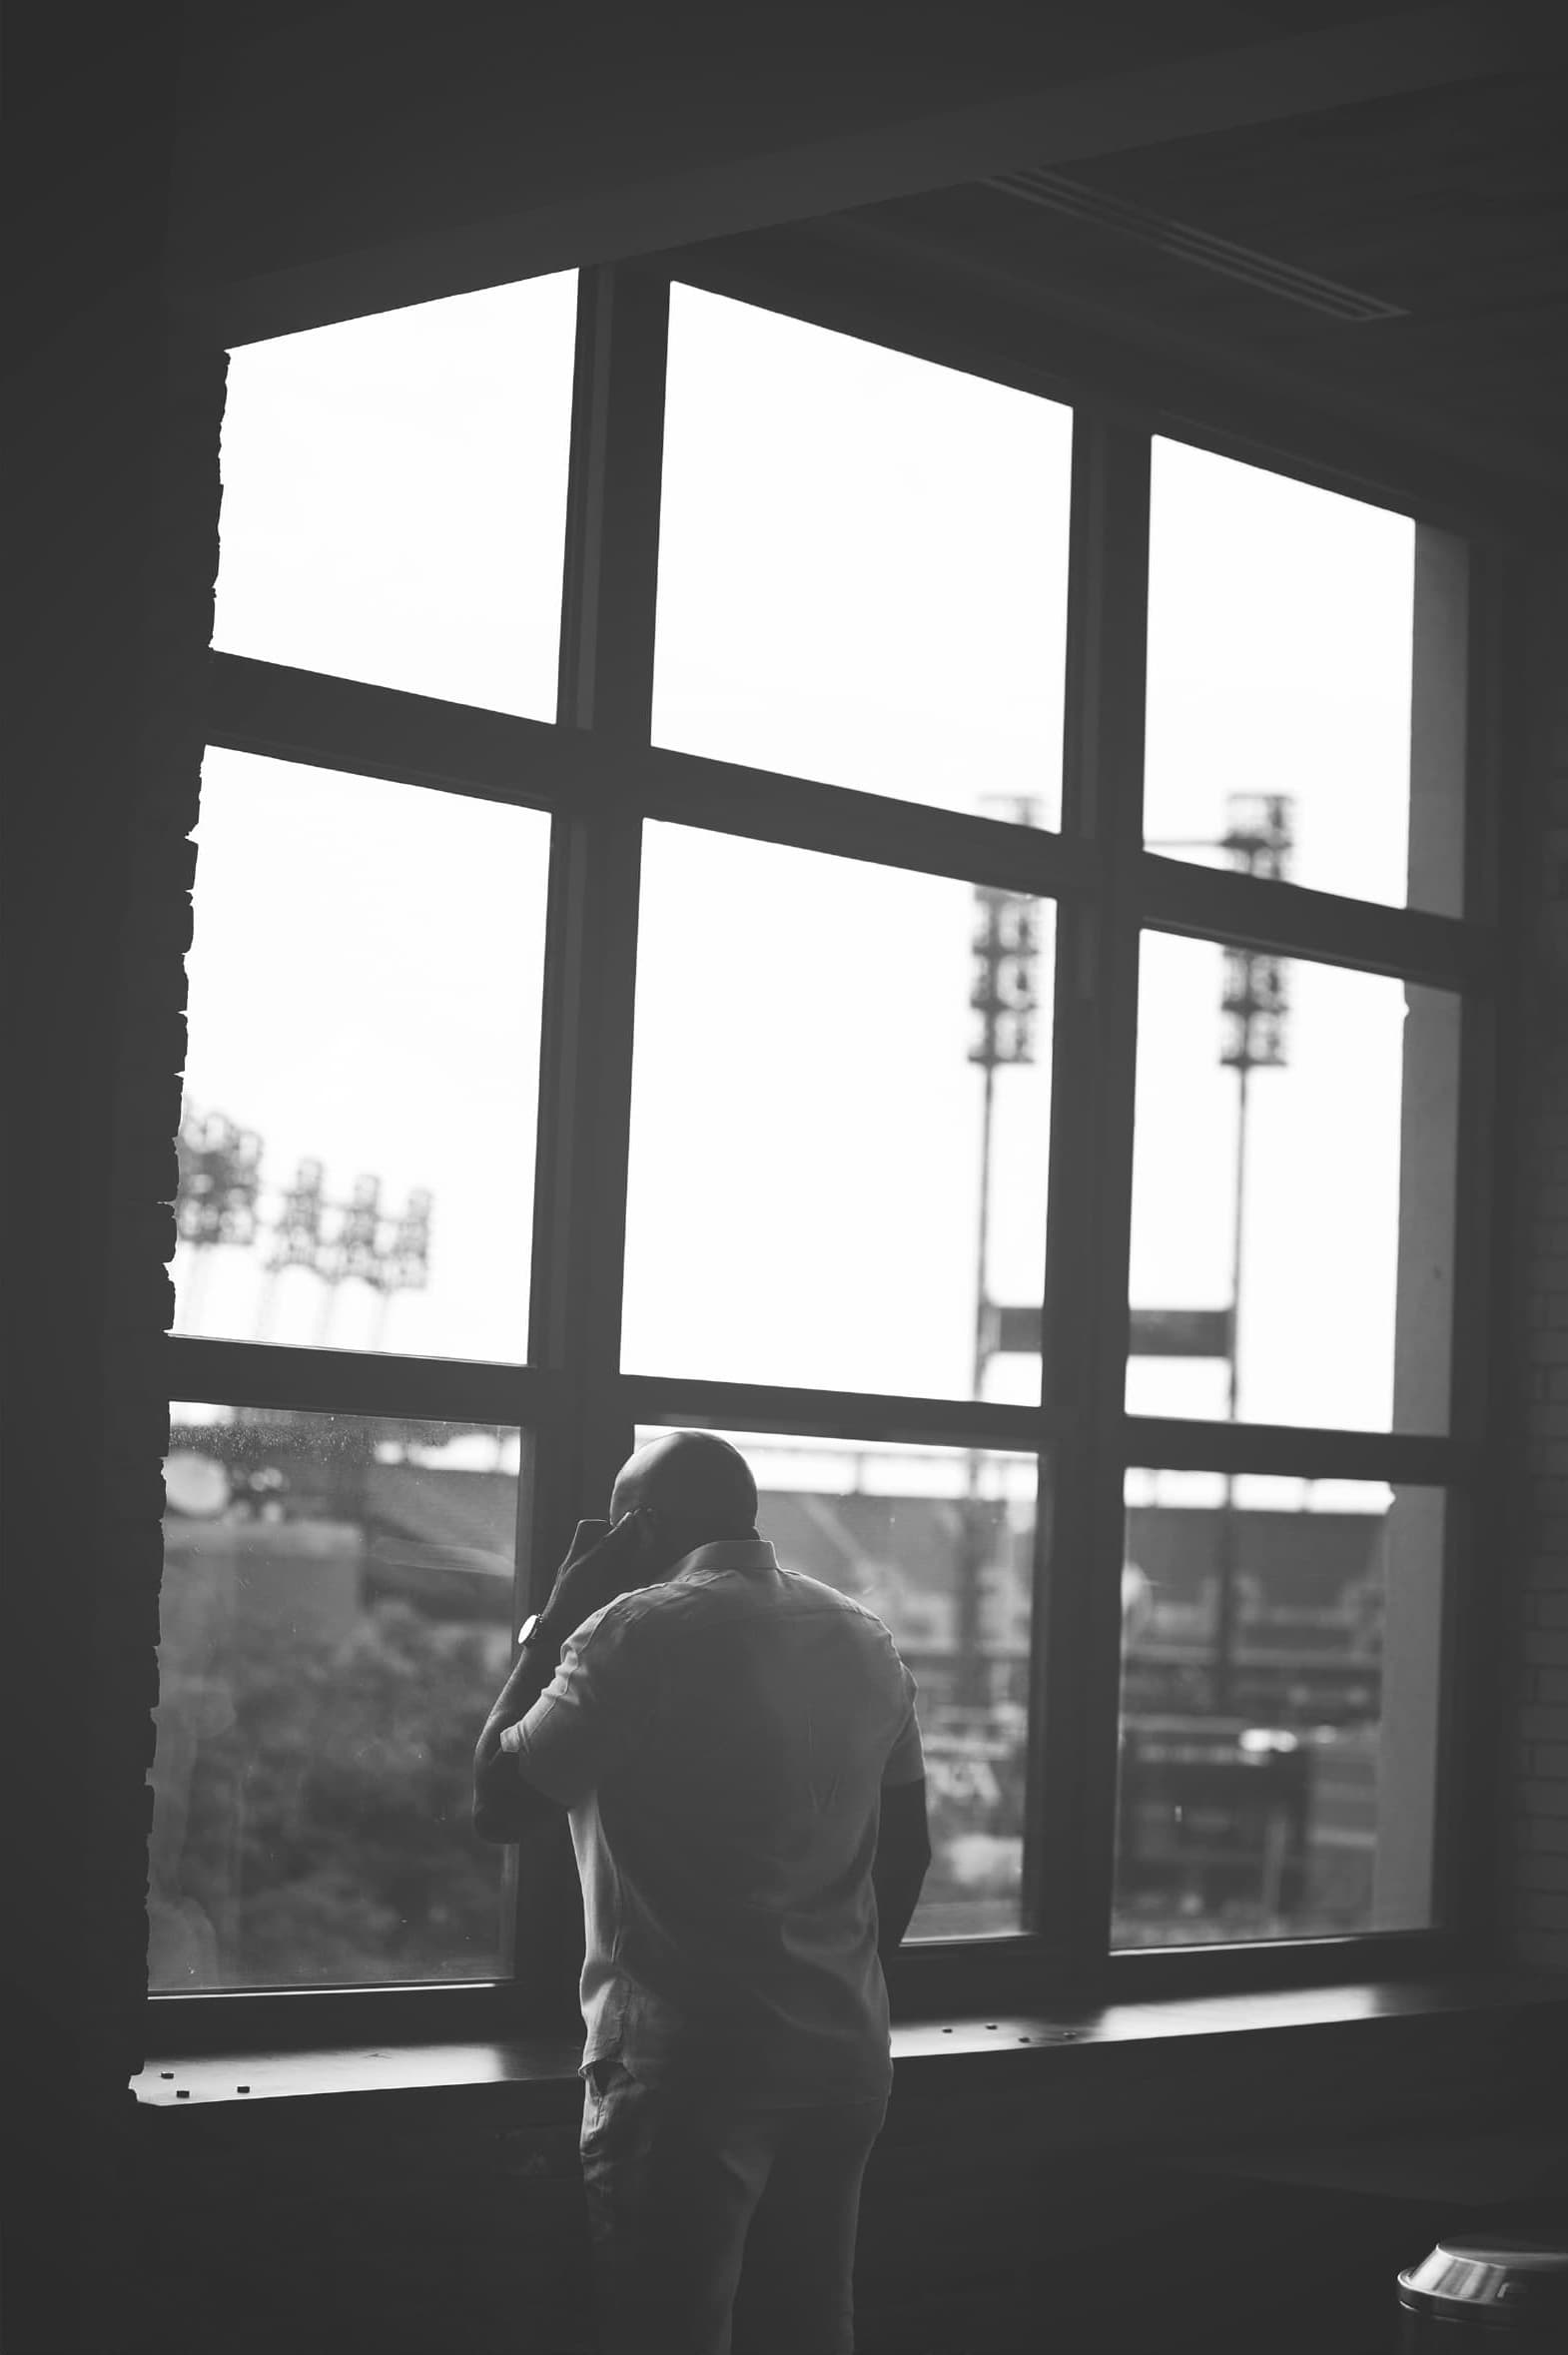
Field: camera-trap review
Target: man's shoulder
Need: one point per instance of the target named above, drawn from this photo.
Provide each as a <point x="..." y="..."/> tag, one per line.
<point x="639" y="1617"/>
<point x="620" y="1623"/>
<point x="814" y="1594"/>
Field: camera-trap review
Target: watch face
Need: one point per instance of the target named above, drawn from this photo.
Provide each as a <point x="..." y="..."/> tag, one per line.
<point x="527" y="1626"/>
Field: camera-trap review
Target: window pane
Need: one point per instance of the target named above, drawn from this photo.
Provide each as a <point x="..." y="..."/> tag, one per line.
<point x="394" y="496"/>
<point x="361" y="1080"/>
<point x="807" y="1135"/>
<point x="862" y="563"/>
<point x="939" y="1542"/>
<point x="335" y="1619"/>
<point x="1342" y="1128"/>
<point x="1279" y="1707"/>
<point x="1289" y="630"/>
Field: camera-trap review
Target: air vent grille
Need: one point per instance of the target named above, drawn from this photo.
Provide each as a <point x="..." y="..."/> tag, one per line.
<point x="1056" y="193"/>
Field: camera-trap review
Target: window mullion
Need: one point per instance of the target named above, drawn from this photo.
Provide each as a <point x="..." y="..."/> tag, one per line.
<point x="1285" y="919"/>
<point x="1075" y="1670"/>
<point x="607" y="689"/>
<point x="605" y="694"/>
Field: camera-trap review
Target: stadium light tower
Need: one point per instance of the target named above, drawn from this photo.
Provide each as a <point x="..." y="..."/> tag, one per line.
<point x="1005" y="996"/>
<point x="1254" y="1014"/>
<point x="388" y="1254"/>
<point x="217" y="1199"/>
<point x="219" y="1177"/>
<point x="295" y="1239"/>
<point x="1005" y="1000"/>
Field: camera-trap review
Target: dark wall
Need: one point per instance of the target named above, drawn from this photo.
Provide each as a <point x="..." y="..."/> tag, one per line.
<point x="106" y="415"/>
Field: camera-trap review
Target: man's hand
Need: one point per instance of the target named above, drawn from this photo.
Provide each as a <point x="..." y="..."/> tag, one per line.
<point x="603" y="1562"/>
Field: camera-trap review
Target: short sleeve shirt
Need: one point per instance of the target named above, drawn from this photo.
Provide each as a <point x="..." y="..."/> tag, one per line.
<point x="721" y="1743"/>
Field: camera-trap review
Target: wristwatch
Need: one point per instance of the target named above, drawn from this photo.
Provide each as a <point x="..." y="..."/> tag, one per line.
<point x="533" y="1632"/>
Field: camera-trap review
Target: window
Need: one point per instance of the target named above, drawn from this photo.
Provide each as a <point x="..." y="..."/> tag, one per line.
<point x="862" y="563"/>
<point x="362" y="1070"/>
<point x="336" y="1615"/>
<point x="1289" y="632"/>
<point x="394" y="498"/>
<point x="1278" y="1741"/>
<point x="817" y="1106"/>
<point x="837" y="1036"/>
<point x="1293" y="1181"/>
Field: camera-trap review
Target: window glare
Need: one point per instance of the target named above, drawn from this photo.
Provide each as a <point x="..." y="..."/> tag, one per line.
<point x="394" y="496"/>
<point x="1281" y="622"/>
<point x="1346" y="1245"/>
<point x="809" y="1122"/>
<point x="862" y="563"/>
<point x="365" y="986"/>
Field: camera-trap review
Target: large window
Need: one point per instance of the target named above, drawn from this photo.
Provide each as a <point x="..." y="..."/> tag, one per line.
<point x="973" y="995"/>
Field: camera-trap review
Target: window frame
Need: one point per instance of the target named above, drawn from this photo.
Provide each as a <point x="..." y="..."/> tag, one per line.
<point x="599" y="774"/>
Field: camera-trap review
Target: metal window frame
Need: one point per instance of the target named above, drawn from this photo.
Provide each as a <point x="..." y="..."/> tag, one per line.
<point x="597" y="770"/>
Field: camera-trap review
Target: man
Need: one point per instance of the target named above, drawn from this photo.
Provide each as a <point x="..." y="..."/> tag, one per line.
<point x="737" y="1748"/>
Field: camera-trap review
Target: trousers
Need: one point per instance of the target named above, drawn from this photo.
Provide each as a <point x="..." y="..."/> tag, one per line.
<point x="683" y="2187"/>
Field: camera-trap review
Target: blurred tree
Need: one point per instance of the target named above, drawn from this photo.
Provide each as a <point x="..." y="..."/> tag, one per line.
<point x="329" y="1837"/>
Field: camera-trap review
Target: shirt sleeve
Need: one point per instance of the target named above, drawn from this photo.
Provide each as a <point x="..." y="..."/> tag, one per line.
<point x="586" y="1720"/>
<point x="906" y="1760"/>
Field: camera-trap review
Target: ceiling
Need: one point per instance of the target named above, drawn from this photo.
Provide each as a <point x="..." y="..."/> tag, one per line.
<point x="1228" y="180"/>
<point x="1398" y="265"/>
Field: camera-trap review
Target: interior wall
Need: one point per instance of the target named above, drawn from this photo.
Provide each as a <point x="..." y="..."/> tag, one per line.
<point x="113" y="557"/>
<point x="1535" y="1596"/>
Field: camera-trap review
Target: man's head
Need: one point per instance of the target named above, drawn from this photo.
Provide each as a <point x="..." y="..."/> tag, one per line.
<point x="692" y="1489"/>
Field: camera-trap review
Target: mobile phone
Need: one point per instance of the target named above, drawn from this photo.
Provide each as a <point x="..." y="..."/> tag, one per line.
<point x="587" y="1535"/>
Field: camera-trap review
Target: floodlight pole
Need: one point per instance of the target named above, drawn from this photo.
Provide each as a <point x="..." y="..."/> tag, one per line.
<point x="1259" y="836"/>
<point x="1227" y="1564"/>
<point x="1004" y="995"/>
<point x="981" y="1357"/>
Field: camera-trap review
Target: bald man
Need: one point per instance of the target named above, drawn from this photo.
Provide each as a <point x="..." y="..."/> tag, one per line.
<point x="737" y="1750"/>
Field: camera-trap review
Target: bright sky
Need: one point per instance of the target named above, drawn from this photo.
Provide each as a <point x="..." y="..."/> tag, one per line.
<point x="862" y="579"/>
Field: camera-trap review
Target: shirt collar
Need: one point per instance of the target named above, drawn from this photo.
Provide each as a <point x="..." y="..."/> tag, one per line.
<point x="725" y="1553"/>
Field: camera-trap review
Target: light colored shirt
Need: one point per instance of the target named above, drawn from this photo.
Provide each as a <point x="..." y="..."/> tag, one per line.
<point x="721" y="1743"/>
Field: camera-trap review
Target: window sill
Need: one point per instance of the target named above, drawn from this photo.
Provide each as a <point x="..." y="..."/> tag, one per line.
<point x="1461" y="2046"/>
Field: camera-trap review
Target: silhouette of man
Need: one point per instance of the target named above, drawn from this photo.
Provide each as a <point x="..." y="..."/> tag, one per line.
<point x="737" y="1748"/>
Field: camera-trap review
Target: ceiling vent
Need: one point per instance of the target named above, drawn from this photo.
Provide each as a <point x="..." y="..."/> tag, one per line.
<point x="1056" y="193"/>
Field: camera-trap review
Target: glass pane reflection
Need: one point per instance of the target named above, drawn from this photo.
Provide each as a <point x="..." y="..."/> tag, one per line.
<point x="1280" y="1708"/>
<point x="335" y="1619"/>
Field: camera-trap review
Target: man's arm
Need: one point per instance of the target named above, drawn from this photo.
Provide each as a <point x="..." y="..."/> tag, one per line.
<point x="899" y="1867"/>
<point x="601" y="1563"/>
<point x="505" y="1805"/>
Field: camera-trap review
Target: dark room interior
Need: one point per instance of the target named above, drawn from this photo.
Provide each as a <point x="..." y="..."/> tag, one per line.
<point x="1027" y="641"/>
